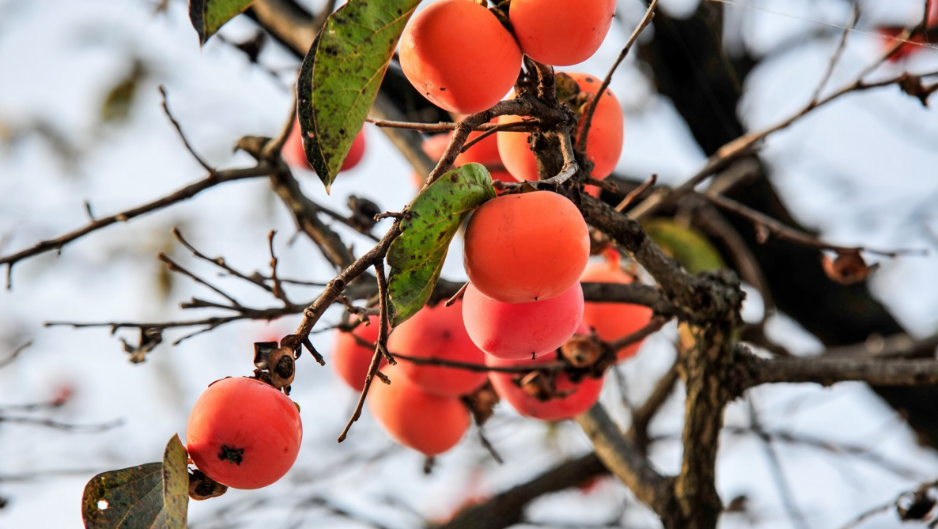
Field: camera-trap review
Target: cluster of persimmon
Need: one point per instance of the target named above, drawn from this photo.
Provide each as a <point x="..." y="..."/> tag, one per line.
<point x="471" y="75"/>
<point x="521" y="325"/>
<point x="245" y="433"/>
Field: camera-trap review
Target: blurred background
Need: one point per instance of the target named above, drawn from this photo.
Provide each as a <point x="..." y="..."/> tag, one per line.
<point x="82" y="128"/>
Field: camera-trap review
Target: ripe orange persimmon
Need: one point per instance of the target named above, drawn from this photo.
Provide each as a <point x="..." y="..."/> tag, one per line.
<point x="484" y="152"/>
<point x="438" y="332"/>
<point x="526" y="247"/>
<point x="569" y="398"/>
<point x="459" y="56"/>
<point x="295" y="156"/>
<point x="350" y="358"/>
<point x="560" y="32"/>
<point x="427" y="423"/>
<point x="522" y="330"/>
<point x="603" y="144"/>
<point x="612" y="321"/>
<point x="243" y="433"/>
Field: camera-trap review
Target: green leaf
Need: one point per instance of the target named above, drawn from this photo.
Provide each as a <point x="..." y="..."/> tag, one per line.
<point x="685" y="244"/>
<point x="416" y="256"/>
<point x="208" y="16"/>
<point x="341" y="75"/>
<point x="152" y="495"/>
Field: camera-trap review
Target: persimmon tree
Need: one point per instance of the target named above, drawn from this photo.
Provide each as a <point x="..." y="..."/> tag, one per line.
<point x="683" y="255"/>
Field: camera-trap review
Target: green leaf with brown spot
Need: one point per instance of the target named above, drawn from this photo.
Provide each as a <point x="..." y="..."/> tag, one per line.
<point x="208" y="16"/>
<point x="685" y="244"/>
<point x="153" y="495"/>
<point x="341" y="75"/>
<point x="416" y="256"/>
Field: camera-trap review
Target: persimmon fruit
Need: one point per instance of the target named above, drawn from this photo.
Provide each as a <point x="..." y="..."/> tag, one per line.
<point x="526" y="247"/>
<point x="459" y="56"/>
<point x="438" y="332"/>
<point x="243" y="433"/>
<point x="522" y="330"/>
<point x="350" y="358"/>
<point x="295" y="156"/>
<point x="603" y="143"/>
<point x="428" y="423"/>
<point x="564" y="399"/>
<point x="612" y="321"/>
<point x="560" y="32"/>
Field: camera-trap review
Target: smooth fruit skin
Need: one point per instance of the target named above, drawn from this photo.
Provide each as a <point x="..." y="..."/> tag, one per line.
<point x="243" y="433"/>
<point x="438" y="332"/>
<point x="459" y="56"/>
<point x="526" y="247"/>
<point x="428" y="423"/>
<point x="351" y="359"/>
<point x="522" y="330"/>
<point x="612" y="321"/>
<point x="581" y="397"/>
<point x="561" y="32"/>
<point x="295" y="156"/>
<point x="603" y="144"/>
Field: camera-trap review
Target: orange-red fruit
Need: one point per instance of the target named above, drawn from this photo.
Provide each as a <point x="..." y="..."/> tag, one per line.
<point x="438" y="332"/>
<point x="459" y="56"/>
<point x="522" y="330"/>
<point x="295" y="156"/>
<point x="613" y="320"/>
<point x="243" y="433"/>
<point x="352" y="359"/>
<point x="526" y="247"/>
<point x="889" y="35"/>
<point x="603" y="144"/>
<point x="561" y="32"/>
<point x="425" y="422"/>
<point x="572" y="400"/>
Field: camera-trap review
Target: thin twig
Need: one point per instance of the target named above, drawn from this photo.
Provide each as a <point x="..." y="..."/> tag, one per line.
<point x="778" y="475"/>
<point x="835" y="57"/>
<point x="221" y="263"/>
<point x="653" y="326"/>
<point x="277" y="288"/>
<point x="177" y="196"/>
<point x="211" y="170"/>
<point x="768" y="226"/>
<point x="635" y="193"/>
<point x="16" y="352"/>
<point x="594" y="102"/>
<point x="176" y="267"/>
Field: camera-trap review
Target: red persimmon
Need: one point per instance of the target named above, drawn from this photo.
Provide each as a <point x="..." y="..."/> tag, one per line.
<point x="243" y="433"/>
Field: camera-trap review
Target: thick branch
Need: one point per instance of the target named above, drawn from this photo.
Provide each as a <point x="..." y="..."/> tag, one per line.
<point x="625" y="460"/>
<point x="827" y="370"/>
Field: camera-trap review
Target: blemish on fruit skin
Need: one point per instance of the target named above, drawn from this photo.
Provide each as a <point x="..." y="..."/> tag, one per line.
<point x="231" y="454"/>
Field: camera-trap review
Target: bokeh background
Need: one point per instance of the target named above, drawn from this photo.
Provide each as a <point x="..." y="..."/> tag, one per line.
<point x="81" y="120"/>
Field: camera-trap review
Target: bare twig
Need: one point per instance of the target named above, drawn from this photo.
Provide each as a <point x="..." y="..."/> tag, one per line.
<point x="635" y="193"/>
<point x="653" y="326"/>
<point x="588" y="115"/>
<point x="766" y="225"/>
<point x="211" y="170"/>
<point x="180" y="195"/>
<point x="778" y="474"/>
<point x="16" y="352"/>
<point x="835" y="57"/>
<point x="173" y="266"/>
